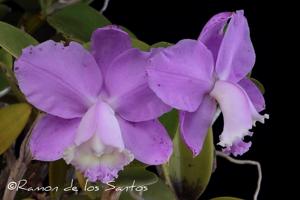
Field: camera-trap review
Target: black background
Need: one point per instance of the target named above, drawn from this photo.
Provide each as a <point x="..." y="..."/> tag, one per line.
<point x="163" y="20"/>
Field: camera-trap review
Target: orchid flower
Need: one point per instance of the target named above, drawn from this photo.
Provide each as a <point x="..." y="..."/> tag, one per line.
<point x="100" y="112"/>
<point x="194" y="76"/>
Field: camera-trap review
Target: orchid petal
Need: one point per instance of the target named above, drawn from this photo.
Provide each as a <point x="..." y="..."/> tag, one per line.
<point x="213" y="32"/>
<point x="236" y="54"/>
<point x="194" y="126"/>
<point x="238" y="112"/>
<point x="181" y="74"/>
<point x="107" y="43"/>
<point x="62" y="81"/>
<point x="254" y="94"/>
<point x="98" y="150"/>
<point x="51" y="136"/>
<point x="128" y="90"/>
<point x="148" y="141"/>
<point x="101" y="120"/>
<point x="238" y="148"/>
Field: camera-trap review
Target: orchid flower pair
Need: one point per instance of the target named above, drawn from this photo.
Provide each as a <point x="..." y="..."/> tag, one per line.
<point x="102" y="106"/>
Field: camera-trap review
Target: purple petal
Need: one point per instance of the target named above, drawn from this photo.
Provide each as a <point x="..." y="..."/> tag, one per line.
<point x="254" y="94"/>
<point x="148" y="141"/>
<point x="98" y="150"/>
<point x="194" y="126"/>
<point x="128" y="90"/>
<point x="51" y="136"/>
<point x="238" y="148"/>
<point x="213" y="32"/>
<point x="236" y="55"/>
<point x="62" y="81"/>
<point x="181" y="74"/>
<point x="107" y="43"/>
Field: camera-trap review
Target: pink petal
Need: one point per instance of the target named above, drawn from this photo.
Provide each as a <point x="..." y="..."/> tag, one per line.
<point x="182" y="74"/>
<point x="236" y="55"/>
<point x="107" y="43"/>
<point x="128" y="90"/>
<point x="254" y="94"/>
<point x="51" y="136"/>
<point x="213" y="32"/>
<point x="238" y="148"/>
<point x="194" y="125"/>
<point x="62" y="81"/>
<point x="148" y="141"/>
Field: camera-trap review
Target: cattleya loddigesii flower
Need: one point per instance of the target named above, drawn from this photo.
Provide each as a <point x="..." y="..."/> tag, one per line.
<point x="193" y="76"/>
<point x="100" y="112"/>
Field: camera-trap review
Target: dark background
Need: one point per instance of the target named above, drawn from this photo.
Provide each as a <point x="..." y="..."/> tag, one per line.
<point x="163" y="20"/>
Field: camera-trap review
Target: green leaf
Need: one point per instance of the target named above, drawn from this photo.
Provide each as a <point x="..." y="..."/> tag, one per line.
<point x="13" y="40"/>
<point x="6" y="60"/>
<point x="138" y="175"/>
<point x="140" y="44"/>
<point x="158" y="190"/>
<point x="13" y="119"/>
<point x="259" y="85"/>
<point x="57" y="177"/>
<point x="3" y="81"/>
<point x="77" y="22"/>
<point x="189" y="175"/>
<point x="226" y="198"/>
<point x="161" y="44"/>
<point x="170" y="121"/>
<point x="4" y="9"/>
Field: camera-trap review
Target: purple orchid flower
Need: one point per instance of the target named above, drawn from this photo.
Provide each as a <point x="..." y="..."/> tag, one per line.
<point x="100" y="112"/>
<point x="193" y="76"/>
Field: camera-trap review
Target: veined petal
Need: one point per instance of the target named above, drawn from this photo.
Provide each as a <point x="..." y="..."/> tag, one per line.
<point x="194" y="126"/>
<point x="148" y="141"/>
<point x="107" y="43"/>
<point x="182" y="74"/>
<point x="51" y="136"/>
<point x="238" y="112"/>
<point x="236" y="54"/>
<point x="128" y="91"/>
<point x="98" y="150"/>
<point x="213" y="32"/>
<point x="62" y="81"/>
<point x="253" y="93"/>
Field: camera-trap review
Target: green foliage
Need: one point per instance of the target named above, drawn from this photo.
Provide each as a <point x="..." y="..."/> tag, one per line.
<point x="13" y="119"/>
<point x="13" y="40"/>
<point x="77" y="22"/>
